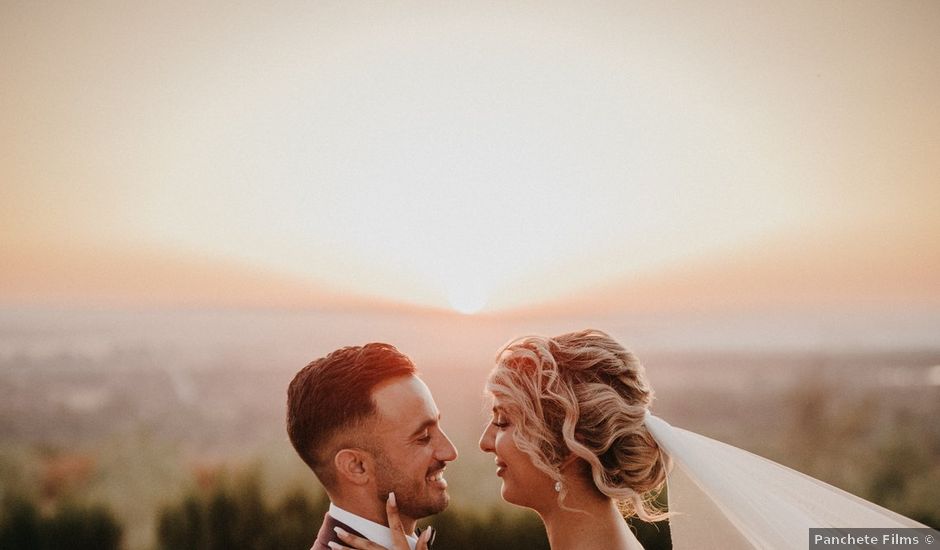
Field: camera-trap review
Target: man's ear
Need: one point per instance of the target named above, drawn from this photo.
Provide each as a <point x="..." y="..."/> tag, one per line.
<point x="354" y="465"/>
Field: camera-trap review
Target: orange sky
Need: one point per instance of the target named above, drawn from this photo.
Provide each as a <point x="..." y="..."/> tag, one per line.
<point x="487" y="156"/>
<point x="874" y="268"/>
<point x="101" y="278"/>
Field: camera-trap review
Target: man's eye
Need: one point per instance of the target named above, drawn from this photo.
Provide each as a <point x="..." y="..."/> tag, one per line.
<point x="425" y="439"/>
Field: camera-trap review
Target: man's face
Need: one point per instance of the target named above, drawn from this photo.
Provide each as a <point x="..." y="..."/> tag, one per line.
<point x="413" y="449"/>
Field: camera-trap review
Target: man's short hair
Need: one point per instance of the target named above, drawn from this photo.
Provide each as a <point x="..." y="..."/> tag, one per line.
<point x="333" y="394"/>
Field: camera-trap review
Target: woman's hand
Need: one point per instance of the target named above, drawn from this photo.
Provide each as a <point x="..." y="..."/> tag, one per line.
<point x="400" y="542"/>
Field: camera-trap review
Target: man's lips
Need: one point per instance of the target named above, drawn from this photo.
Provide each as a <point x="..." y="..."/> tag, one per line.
<point x="437" y="477"/>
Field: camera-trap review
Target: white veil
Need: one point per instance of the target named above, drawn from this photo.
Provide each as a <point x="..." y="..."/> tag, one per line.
<point x="724" y="497"/>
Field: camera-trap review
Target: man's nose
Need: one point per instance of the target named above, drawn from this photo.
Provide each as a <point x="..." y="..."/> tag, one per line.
<point x="446" y="452"/>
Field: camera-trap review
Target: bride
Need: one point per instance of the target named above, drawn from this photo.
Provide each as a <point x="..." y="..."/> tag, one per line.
<point x="569" y="439"/>
<point x="573" y="439"/>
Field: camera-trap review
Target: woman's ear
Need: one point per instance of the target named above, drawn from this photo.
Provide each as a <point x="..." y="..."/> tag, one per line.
<point x="354" y="465"/>
<point x="568" y="461"/>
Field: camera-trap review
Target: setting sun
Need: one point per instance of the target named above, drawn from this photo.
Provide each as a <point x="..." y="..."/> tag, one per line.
<point x="466" y="302"/>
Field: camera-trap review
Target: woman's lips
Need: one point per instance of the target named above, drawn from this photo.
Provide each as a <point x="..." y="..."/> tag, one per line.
<point x="500" y="468"/>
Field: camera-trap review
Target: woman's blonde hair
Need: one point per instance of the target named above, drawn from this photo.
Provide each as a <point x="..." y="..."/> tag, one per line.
<point x="583" y="394"/>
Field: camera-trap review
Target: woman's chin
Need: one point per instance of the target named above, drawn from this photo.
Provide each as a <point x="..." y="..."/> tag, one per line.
<point x="506" y="493"/>
<point x="509" y="496"/>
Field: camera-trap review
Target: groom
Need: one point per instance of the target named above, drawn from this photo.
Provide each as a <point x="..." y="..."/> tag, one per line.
<point x="367" y="425"/>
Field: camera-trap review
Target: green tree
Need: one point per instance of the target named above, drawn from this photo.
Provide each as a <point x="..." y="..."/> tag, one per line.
<point x="20" y="525"/>
<point x="73" y="526"/>
<point x="235" y="514"/>
<point x="296" y="517"/>
<point x="79" y="527"/>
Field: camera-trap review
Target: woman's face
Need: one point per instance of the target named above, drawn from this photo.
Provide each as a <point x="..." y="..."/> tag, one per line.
<point x="523" y="483"/>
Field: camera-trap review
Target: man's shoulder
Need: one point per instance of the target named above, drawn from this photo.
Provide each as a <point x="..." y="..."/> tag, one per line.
<point x="327" y="534"/>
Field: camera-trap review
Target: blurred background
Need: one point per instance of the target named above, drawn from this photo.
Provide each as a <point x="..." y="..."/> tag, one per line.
<point x="197" y="200"/>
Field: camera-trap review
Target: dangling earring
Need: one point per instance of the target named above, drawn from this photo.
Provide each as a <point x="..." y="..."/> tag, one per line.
<point x="559" y="486"/>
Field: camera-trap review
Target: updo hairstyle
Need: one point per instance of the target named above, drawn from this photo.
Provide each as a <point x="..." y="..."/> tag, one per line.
<point x="582" y="393"/>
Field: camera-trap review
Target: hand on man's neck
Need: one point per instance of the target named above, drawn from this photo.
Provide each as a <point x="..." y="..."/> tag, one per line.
<point x="371" y="509"/>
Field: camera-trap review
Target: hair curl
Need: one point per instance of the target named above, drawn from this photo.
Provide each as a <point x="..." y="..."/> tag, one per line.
<point x="584" y="394"/>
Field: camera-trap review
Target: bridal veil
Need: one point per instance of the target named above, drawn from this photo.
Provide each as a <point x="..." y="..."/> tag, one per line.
<point x="724" y="497"/>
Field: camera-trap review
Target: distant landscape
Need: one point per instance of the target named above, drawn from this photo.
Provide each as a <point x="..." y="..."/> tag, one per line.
<point x="132" y="410"/>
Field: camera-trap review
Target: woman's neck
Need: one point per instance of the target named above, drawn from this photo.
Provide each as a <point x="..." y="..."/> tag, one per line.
<point x="593" y="523"/>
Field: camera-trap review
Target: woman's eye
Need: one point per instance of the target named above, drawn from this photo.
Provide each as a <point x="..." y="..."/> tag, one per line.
<point x="499" y="422"/>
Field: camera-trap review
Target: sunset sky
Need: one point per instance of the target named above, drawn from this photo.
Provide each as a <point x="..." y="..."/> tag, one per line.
<point x="470" y="155"/>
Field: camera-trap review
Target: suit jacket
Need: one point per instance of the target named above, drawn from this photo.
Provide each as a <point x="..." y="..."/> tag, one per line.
<point x="327" y="533"/>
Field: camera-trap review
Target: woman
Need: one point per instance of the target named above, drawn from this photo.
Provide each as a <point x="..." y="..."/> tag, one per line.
<point x="569" y="438"/>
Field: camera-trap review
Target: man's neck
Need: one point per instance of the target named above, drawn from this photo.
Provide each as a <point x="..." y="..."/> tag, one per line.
<point x="373" y="511"/>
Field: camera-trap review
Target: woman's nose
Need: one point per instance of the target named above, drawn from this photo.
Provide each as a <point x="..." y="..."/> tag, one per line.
<point x="486" y="440"/>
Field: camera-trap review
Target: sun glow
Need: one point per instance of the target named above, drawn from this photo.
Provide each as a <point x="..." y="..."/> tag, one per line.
<point x="467" y="303"/>
<point x="416" y="164"/>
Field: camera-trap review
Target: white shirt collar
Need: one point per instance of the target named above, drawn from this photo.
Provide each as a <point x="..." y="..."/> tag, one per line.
<point x="371" y="530"/>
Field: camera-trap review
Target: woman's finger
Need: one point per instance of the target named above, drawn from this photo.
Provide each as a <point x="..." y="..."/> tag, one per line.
<point x="354" y="542"/>
<point x="394" y="524"/>
<point x="425" y="539"/>
<point x="394" y="520"/>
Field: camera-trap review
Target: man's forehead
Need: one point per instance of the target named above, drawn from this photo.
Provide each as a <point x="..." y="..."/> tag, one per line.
<point x="405" y="400"/>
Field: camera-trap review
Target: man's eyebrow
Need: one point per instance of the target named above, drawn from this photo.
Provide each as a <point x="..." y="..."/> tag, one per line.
<point x="425" y="425"/>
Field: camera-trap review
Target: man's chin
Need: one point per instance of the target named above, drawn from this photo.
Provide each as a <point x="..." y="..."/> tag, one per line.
<point x="428" y="509"/>
<point x="445" y="500"/>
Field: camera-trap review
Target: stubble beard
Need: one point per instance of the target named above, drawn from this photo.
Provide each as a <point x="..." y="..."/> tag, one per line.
<point x="411" y="495"/>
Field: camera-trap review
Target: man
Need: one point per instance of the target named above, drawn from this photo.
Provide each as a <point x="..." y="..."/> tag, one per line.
<point x="367" y="426"/>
